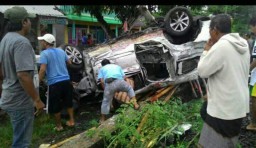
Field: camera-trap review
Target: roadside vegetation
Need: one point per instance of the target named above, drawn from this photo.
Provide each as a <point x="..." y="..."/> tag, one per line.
<point x="157" y="124"/>
<point x="43" y="132"/>
<point x="42" y="128"/>
<point x="241" y="14"/>
<point x="160" y="122"/>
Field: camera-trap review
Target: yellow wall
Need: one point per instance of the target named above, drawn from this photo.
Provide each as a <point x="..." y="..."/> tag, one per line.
<point x="66" y="34"/>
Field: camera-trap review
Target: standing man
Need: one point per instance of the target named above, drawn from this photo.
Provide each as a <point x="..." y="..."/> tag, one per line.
<point x="53" y="62"/>
<point x="84" y="39"/>
<point x="225" y="62"/>
<point x="18" y="69"/>
<point x="112" y="79"/>
<point x="252" y="125"/>
<point x="89" y="40"/>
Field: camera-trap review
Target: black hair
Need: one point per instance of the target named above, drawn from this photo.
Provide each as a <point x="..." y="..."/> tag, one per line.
<point x="12" y="27"/>
<point x="105" y="62"/>
<point x="3" y="26"/>
<point x="51" y="44"/>
<point x="222" y="22"/>
<point x="252" y="22"/>
<point x="16" y="26"/>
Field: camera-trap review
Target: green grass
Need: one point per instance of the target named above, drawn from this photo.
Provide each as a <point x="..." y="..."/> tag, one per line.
<point x="43" y="132"/>
<point x="6" y="133"/>
<point x="43" y="127"/>
<point x="162" y="115"/>
<point x="162" y="119"/>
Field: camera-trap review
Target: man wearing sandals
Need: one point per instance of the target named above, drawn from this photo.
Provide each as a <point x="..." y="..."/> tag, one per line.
<point x="53" y="62"/>
<point x="112" y="79"/>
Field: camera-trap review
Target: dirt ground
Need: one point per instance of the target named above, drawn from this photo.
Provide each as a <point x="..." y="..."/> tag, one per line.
<point x="247" y="138"/>
<point x="89" y="110"/>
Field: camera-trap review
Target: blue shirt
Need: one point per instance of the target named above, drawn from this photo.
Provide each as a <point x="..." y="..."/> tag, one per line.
<point x="84" y="40"/>
<point x="111" y="71"/>
<point x="56" y="70"/>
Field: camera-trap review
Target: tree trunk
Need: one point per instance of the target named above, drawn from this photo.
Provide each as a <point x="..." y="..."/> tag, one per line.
<point x="104" y="25"/>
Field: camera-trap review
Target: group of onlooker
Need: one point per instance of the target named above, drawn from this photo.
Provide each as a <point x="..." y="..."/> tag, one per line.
<point x="19" y="77"/>
<point x="87" y="39"/>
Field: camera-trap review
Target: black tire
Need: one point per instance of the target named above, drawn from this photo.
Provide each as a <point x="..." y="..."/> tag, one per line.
<point x="76" y="54"/>
<point x="178" y="21"/>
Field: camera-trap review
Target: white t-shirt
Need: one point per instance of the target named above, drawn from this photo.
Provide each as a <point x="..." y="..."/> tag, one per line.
<point x="253" y="77"/>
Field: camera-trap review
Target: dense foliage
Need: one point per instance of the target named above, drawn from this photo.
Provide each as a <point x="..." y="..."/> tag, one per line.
<point x="156" y="124"/>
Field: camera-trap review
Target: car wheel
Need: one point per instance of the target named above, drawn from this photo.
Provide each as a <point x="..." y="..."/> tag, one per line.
<point x="178" y="21"/>
<point x="75" y="54"/>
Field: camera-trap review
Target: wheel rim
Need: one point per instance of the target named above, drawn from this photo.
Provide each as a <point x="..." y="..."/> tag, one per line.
<point x="74" y="54"/>
<point x="179" y="21"/>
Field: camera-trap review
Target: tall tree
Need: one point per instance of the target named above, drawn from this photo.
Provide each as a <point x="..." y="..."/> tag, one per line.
<point x="129" y="13"/>
<point x="164" y="9"/>
<point x="241" y="14"/>
<point x="96" y="11"/>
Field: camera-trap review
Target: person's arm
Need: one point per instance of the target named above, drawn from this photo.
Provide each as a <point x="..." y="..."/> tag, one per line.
<point x="253" y="65"/>
<point x="101" y="78"/>
<point x="42" y="72"/>
<point x="102" y="83"/>
<point x="69" y="62"/>
<point x="211" y="59"/>
<point x="125" y="78"/>
<point x="24" y="69"/>
<point x="27" y="83"/>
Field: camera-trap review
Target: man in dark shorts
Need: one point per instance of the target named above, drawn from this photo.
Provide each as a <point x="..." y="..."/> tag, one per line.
<point x="53" y="62"/>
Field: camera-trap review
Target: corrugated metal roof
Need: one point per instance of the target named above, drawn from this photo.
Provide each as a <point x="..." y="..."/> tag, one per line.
<point x="45" y="10"/>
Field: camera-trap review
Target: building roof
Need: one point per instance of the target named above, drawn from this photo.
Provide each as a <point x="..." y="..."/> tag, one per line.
<point x="45" y="10"/>
<point x="89" y="18"/>
<point x="109" y="18"/>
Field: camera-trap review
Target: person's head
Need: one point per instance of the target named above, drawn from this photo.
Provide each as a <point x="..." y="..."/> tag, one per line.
<point x="219" y="26"/>
<point x="89" y="36"/>
<point x="252" y="24"/>
<point x="105" y="62"/>
<point x="18" y="19"/>
<point x="47" y="40"/>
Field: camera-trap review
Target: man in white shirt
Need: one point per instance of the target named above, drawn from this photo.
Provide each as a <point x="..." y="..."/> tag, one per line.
<point x="225" y="62"/>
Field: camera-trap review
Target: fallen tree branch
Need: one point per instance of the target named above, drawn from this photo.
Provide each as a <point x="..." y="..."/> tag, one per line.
<point x="168" y="97"/>
<point x="143" y="121"/>
<point x="160" y="94"/>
